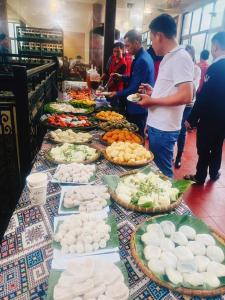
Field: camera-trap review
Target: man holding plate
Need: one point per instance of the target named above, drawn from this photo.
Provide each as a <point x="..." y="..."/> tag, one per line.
<point x="142" y="70"/>
<point x="173" y="90"/>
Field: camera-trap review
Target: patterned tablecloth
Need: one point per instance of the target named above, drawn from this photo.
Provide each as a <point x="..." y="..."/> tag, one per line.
<point x="26" y="251"/>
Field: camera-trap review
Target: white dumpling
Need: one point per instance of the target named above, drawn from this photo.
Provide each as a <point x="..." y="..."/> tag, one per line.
<point x="155" y="228"/>
<point x="215" y="253"/>
<point x="117" y="291"/>
<point x="211" y="279"/>
<point x="196" y="247"/>
<point x="206" y="239"/>
<point x="169" y="259"/>
<point x="179" y="238"/>
<point x="201" y="263"/>
<point x="174" y="276"/>
<point x="152" y="252"/>
<point x="86" y="270"/>
<point x="62" y="293"/>
<point x="194" y="279"/>
<point x="113" y="275"/>
<point x="65" y="280"/>
<point x="168" y="227"/>
<point x="216" y="268"/>
<point x="94" y="292"/>
<point x="156" y="266"/>
<point x="82" y="287"/>
<point x="186" y="266"/>
<point x="188" y="231"/>
<point x="151" y="239"/>
<point x="183" y="253"/>
<point x="167" y="245"/>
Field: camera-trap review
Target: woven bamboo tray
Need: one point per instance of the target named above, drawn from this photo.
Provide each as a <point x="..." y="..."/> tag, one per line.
<point x="49" y="158"/>
<point x="181" y="290"/>
<point x="144" y="209"/>
<point x="108" y="144"/>
<point x="132" y="165"/>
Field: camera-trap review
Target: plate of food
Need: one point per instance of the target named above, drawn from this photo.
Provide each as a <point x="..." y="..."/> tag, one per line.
<point x="123" y="124"/>
<point x="64" y="121"/>
<point x="121" y="135"/>
<point x="134" y="97"/>
<point x="97" y="276"/>
<point x="128" y="154"/>
<point x="182" y="253"/>
<point x="92" y="235"/>
<point x="79" y="94"/>
<point x="75" y="174"/>
<point x="146" y="191"/>
<point x="84" y="198"/>
<point x="70" y="153"/>
<point x="62" y="107"/>
<point x="60" y="136"/>
<point x="83" y="103"/>
<point x="109" y="115"/>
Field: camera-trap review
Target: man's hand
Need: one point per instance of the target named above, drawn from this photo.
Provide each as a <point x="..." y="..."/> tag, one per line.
<point x="145" y="101"/>
<point x="116" y="75"/>
<point x="187" y="125"/>
<point x="145" y="88"/>
<point x="112" y="94"/>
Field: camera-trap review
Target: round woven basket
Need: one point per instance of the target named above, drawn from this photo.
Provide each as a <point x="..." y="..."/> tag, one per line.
<point x="69" y="142"/>
<point x="108" y="144"/>
<point x="133" y="207"/>
<point x="132" y="165"/>
<point x="181" y="290"/>
<point x="49" y="158"/>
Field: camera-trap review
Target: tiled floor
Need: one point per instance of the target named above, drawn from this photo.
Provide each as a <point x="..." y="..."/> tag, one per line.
<point x="207" y="202"/>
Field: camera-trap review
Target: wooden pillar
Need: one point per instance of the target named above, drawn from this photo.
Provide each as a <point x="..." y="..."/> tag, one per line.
<point x="96" y="41"/>
<point x="3" y="17"/>
<point x="109" y="34"/>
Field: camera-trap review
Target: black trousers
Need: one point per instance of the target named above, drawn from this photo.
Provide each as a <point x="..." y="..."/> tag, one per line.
<point x="140" y="121"/>
<point x="209" y="146"/>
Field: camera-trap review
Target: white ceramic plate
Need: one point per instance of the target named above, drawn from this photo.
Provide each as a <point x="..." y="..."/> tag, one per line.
<point x="133" y="98"/>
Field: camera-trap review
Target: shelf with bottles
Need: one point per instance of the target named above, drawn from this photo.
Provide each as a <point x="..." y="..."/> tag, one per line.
<point x="25" y="47"/>
<point x="39" y="35"/>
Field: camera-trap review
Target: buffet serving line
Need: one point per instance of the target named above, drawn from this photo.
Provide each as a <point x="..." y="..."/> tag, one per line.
<point x="112" y="227"/>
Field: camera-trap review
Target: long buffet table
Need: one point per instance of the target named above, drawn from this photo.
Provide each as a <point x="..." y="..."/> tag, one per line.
<point x="26" y="250"/>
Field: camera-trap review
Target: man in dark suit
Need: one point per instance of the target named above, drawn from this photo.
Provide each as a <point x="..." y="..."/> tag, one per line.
<point x="142" y="71"/>
<point x="208" y="114"/>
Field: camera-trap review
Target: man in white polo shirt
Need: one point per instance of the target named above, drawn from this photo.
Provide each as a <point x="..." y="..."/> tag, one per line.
<point x="172" y="91"/>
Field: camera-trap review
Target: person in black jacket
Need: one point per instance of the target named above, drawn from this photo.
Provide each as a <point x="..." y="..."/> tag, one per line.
<point x="208" y="114"/>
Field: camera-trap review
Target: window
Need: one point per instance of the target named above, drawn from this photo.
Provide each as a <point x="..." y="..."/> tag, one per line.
<point x="186" y="24"/>
<point x="196" y="20"/>
<point x="12" y="36"/>
<point x="206" y="16"/>
<point x="200" y="25"/>
<point x="198" y="42"/>
<point x="218" y="14"/>
<point x="185" y="42"/>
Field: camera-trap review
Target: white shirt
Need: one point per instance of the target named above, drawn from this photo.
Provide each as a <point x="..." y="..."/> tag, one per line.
<point x="175" y="68"/>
